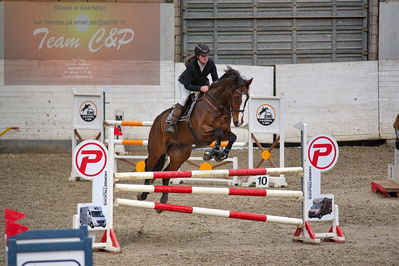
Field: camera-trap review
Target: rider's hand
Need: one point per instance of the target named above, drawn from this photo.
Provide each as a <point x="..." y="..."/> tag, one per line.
<point x="204" y="88"/>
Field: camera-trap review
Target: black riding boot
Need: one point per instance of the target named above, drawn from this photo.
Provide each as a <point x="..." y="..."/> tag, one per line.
<point x="176" y="112"/>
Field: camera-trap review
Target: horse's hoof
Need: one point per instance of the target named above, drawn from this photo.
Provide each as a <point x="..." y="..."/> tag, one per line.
<point x="141" y="196"/>
<point x="207" y="156"/>
<point x="221" y="157"/>
<point x="217" y="159"/>
<point x="163" y="200"/>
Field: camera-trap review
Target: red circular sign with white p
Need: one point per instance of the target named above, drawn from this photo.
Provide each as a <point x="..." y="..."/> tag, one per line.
<point x="90" y="158"/>
<point x="323" y="152"/>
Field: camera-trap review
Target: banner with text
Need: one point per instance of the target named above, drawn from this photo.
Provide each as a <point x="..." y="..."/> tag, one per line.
<point x="82" y="43"/>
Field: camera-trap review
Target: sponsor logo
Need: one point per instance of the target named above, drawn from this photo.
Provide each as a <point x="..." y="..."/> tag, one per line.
<point x="88" y="111"/>
<point x="266" y="114"/>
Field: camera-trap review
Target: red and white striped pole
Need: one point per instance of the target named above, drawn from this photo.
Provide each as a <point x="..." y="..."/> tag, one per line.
<point x="209" y="173"/>
<point x="209" y="190"/>
<point x="210" y="212"/>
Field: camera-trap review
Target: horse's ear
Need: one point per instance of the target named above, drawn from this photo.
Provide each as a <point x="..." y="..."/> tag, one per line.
<point x="249" y="81"/>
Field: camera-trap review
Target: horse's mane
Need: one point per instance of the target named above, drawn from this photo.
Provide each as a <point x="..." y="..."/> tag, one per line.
<point x="230" y="72"/>
<point x="231" y="75"/>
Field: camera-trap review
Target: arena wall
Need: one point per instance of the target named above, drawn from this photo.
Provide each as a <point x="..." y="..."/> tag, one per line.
<point x="340" y="99"/>
<point x="350" y="101"/>
<point x="388" y="97"/>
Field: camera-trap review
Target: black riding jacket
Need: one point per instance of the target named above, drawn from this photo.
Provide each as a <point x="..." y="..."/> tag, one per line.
<point x="193" y="78"/>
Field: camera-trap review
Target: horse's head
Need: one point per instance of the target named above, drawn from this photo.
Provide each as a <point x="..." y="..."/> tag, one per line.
<point x="237" y="99"/>
<point x="228" y="93"/>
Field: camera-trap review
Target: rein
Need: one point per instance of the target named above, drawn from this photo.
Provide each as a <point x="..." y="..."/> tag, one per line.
<point x="219" y="106"/>
<point x="222" y="107"/>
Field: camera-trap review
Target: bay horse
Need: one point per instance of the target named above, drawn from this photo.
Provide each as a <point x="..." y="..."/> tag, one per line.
<point x="396" y="127"/>
<point x="210" y="121"/>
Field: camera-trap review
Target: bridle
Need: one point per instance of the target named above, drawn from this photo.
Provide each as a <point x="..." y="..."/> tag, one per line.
<point x="222" y="109"/>
<point x="245" y="103"/>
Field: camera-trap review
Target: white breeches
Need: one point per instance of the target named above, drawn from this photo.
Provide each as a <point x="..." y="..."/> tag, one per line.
<point x="184" y="93"/>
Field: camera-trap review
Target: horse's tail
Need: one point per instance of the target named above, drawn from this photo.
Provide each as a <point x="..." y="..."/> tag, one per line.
<point x="156" y="145"/>
<point x="396" y="123"/>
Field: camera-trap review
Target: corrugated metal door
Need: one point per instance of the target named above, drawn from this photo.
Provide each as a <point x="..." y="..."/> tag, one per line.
<point x="264" y="32"/>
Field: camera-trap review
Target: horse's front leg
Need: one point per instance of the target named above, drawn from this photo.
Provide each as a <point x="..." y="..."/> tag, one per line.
<point x="214" y="153"/>
<point x="225" y="153"/>
<point x="148" y="167"/>
<point x="143" y="195"/>
<point x="165" y="195"/>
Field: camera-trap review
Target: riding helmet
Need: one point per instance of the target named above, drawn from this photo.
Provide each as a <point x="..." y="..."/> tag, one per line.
<point x="201" y="49"/>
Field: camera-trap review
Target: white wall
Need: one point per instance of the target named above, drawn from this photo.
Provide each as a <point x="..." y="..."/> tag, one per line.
<point x="142" y="103"/>
<point x="45" y="112"/>
<point x="340" y="99"/>
<point x="388" y="38"/>
<point x="388" y="97"/>
<point x="344" y="100"/>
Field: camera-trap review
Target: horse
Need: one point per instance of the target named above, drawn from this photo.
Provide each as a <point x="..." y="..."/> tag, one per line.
<point x="210" y="121"/>
<point x="396" y="127"/>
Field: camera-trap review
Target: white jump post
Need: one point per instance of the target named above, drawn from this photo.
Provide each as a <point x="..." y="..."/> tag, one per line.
<point x="389" y="187"/>
<point x="87" y="115"/>
<point x="266" y="117"/>
<point x="92" y="159"/>
<point x="320" y="154"/>
<point x="393" y="168"/>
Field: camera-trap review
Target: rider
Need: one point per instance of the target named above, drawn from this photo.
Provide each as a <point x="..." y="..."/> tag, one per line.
<point x="194" y="78"/>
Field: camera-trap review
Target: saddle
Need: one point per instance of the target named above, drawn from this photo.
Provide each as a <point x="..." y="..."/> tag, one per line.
<point x="187" y="108"/>
<point x="186" y="115"/>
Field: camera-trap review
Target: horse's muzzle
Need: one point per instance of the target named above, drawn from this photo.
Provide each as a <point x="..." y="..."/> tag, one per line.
<point x="237" y="123"/>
